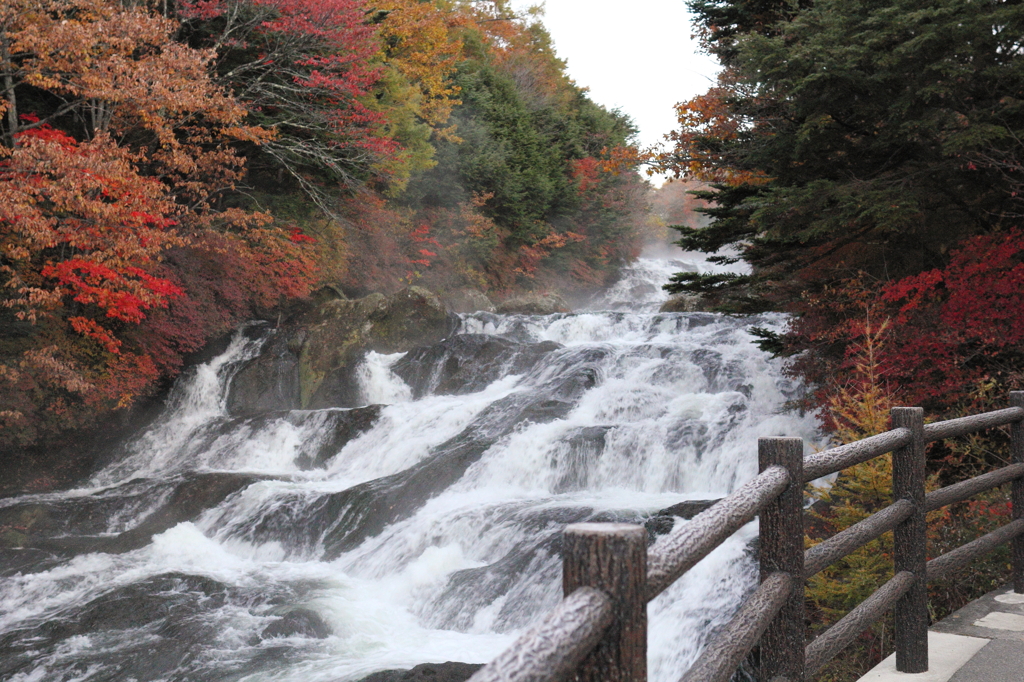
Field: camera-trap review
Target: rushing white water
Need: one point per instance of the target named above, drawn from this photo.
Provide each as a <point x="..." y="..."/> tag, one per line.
<point x="615" y="416"/>
<point x="639" y="289"/>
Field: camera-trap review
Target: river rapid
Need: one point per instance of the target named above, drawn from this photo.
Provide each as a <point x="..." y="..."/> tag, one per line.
<point x="324" y="545"/>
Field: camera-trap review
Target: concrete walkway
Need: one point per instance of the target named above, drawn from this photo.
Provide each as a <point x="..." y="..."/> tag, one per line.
<point x="982" y="642"/>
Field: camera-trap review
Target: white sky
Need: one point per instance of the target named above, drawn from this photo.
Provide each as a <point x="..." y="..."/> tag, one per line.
<point x="634" y="56"/>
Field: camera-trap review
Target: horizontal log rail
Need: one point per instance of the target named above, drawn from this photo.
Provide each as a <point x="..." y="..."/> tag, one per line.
<point x="971" y="424"/>
<point x="826" y="553"/>
<point x="552" y="649"/>
<point x="838" y="458"/>
<point x="598" y="631"/>
<point x="824" y="648"/>
<point x="680" y="550"/>
<point x="726" y="652"/>
<point x="958" y="492"/>
<point x="962" y="556"/>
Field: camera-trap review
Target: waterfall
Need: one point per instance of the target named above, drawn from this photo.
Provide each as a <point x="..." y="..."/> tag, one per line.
<point x="424" y="526"/>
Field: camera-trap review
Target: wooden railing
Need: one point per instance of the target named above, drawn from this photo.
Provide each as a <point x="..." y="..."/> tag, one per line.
<point x="599" y="629"/>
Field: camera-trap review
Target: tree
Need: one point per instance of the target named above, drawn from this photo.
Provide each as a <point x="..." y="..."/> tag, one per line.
<point x="110" y="189"/>
<point x="94" y="68"/>
<point x="306" y="69"/>
<point x="532" y="159"/>
<point x="80" y="223"/>
<point x="852" y="136"/>
<point x="675" y="204"/>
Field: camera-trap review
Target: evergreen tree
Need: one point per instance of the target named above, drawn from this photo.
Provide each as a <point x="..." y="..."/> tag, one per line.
<point x="852" y="136"/>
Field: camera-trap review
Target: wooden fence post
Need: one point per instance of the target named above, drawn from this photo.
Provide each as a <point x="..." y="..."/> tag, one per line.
<point x="611" y="557"/>
<point x="782" y="549"/>
<point x="909" y="543"/>
<point x="1017" y="493"/>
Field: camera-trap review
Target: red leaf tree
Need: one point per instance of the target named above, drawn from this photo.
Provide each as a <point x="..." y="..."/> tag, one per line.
<point x="307" y="69"/>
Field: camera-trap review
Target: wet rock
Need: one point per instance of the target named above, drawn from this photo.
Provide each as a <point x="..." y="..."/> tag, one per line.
<point x="161" y="613"/>
<point x="341" y="331"/>
<point x="467" y="363"/>
<point x="18" y="523"/>
<point x="25" y="560"/>
<point x="326" y="431"/>
<point x="657" y="526"/>
<point x="547" y="411"/>
<point x="578" y="382"/>
<point x="303" y="622"/>
<point x="34" y="523"/>
<point x="468" y="301"/>
<point x="76" y="526"/>
<point x="190" y="498"/>
<point x="503" y="416"/>
<point x="502" y="581"/>
<point x="579" y="457"/>
<point x="688" y="508"/>
<point x="683" y="303"/>
<point x="427" y="672"/>
<point x="367" y="509"/>
<point x="691" y="434"/>
<point x="470" y="590"/>
<point x="720" y="375"/>
<point x="310" y="363"/>
<point x="345" y="426"/>
<point x="270" y="381"/>
<point x="590" y="436"/>
<point x="572" y="372"/>
<point x="340" y="521"/>
<point x="663" y="521"/>
<point x="533" y="304"/>
<point x="412" y="317"/>
<point x="138" y="604"/>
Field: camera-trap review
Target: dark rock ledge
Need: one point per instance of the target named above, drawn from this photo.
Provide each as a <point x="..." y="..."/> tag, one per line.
<point x="427" y="672"/>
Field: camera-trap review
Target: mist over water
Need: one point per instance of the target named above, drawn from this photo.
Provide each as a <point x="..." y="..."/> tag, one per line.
<point x="639" y="289"/>
<point x="431" y="534"/>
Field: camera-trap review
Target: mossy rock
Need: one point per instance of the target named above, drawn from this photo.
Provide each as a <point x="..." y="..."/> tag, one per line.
<point x="410" y="318"/>
<point x="333" y="344"/>
<point x="468" y="301"/>
<point x="341" y="331"/>
<point x="683" y="303"/>
<point x="13" y="538"/>
<point x="534" y="304"/>
<point x="32" y="519"/>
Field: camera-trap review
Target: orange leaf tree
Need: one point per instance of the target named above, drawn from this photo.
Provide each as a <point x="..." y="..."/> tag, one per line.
<point x="111" y="187"/>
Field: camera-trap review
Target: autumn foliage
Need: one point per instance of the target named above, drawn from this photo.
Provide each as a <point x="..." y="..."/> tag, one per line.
<point x="946" y="338"/>
<point x="168" y="170"/>
<point x="864" y="160"/>
<point x="119" y="146"/>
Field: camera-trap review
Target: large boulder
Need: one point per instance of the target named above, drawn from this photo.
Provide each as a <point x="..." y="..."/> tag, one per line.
<point x="468" y="301"/>
<point x="341" y="331"/>
<point x="310" y="363"/>
<point x="298" y="622"/>
<point x="62" y="528"/>
<point x="427" y="672"/>
<point x="341" y="427"/>
<point x="534" y="304"/>
<point x="662" y="522"/>
<point x="270" y="381"/>
<point x="683" y="303"/>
